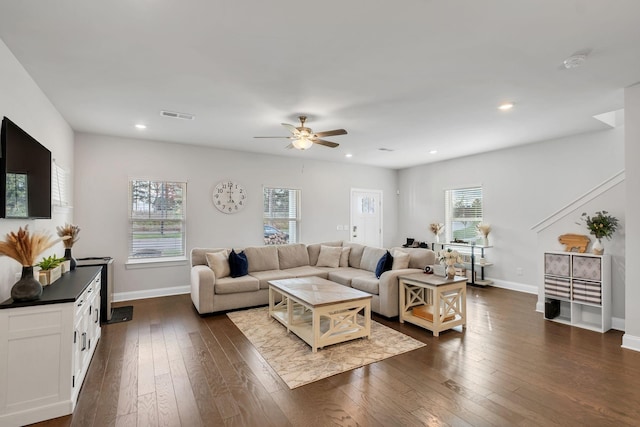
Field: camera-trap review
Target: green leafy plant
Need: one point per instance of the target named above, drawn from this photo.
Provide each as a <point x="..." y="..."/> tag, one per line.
<point x="50" y="262"/>
<point x="601" y="224"/>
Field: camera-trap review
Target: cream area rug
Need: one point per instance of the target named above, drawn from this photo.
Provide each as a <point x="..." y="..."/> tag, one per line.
<point x="293" y="360"/>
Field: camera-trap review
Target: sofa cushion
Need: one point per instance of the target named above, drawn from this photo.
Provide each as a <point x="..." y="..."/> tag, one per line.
<point x="355" y="255"/>
<point x="238" y="264"/>
<point x="308" y="271"/>
<point x="384" y="264"/>
<point x="345" y="275"/>
<point x="400" y="260"/>
<point x="329" y="256"/>
<point x="294" y="255"/>
<point x="219" y="263"/>
<point x="262" y="258"/>
<point x="370" y="258"/>
<point x="420" y="258"/>
<point x="369" y="284"/>
<point x="314" y="250"/>
<point x="233" y="285"/>
<point x="344" y="257"/>
<point x="264" y="276"/>
<point x="199" y="255"/>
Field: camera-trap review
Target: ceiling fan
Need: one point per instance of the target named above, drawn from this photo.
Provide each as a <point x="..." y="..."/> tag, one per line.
<point x="303" y="137"/>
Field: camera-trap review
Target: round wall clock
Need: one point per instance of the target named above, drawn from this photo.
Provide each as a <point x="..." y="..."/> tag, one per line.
<point x="229" y="197"/>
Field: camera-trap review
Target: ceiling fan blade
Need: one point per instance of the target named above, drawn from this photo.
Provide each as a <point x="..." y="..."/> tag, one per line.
<point x="287" y="137"/>
<point x="325" y="143"/>
<point x="289" y="147"/>
<point x="331" y="132"/>
<point x="294" y="130"/>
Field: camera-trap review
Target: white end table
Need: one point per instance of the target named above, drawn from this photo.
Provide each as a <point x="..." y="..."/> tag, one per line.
<point x="445" y="299"/>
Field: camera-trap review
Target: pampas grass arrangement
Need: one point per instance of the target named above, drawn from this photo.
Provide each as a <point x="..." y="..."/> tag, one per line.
<point x="71" y="232"/>
<point x="25" y="247"/>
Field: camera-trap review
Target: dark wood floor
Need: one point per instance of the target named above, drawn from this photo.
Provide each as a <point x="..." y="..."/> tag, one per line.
<point x="171" y="367"/>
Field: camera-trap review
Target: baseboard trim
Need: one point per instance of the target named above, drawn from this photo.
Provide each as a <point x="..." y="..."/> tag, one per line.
<point x="514" y="286"/>
<point x="631" y="342"/>
<point x="151" y="293"/>
<point x="617" y="324"/>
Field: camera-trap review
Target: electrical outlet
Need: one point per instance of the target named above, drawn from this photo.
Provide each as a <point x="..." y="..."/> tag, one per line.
<point x="339" y="228"/>
<point x="519" y="271"/>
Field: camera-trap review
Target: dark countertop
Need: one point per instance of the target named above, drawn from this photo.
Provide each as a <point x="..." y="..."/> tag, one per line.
<point x="66" y="289"/>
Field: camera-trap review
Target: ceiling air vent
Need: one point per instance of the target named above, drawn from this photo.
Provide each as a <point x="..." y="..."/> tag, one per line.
<point x="176" y="115"/>
<point x="385" y="149"/>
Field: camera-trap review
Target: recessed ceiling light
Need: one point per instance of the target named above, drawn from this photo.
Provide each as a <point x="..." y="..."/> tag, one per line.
<point x="348" y="155"/>
<point x="505" y="106"/>
<point x="433" y="152"/>
<point x="141" y="126"/>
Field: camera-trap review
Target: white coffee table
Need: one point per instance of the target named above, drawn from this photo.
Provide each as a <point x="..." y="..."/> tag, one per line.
<point x="319" y="311"/>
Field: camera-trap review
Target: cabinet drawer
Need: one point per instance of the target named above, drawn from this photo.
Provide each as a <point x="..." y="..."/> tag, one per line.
<point x="85" y="298"/>
<point x="587" y="267"/>
<point x="557" y="287"/>
<point x="557" y="264"/>
<point x="587" y="291"/>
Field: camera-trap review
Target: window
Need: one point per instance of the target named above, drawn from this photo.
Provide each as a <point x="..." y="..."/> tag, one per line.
<point x="156" y="219"/>
<point x="59" y="186"/>
<point x="463" y="212"/>
<point x="281" y="218"/>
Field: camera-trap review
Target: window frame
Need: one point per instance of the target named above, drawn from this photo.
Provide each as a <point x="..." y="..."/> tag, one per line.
<point x="449" y="201"/>
<point x="293" y="228"/>
<point x="180" y="218"/>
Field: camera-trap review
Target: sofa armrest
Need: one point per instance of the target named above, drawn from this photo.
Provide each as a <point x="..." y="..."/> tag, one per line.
<point x="202" y="283"/>
<point x="388" y="290"/>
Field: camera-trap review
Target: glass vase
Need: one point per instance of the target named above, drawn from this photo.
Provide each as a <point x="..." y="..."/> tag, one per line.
<point x="451" y="271"/>
<point x="598" y="247"/>
<point x="27" y="288"/>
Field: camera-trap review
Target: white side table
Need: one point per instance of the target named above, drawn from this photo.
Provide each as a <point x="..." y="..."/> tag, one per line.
<point x="445" y="299"/>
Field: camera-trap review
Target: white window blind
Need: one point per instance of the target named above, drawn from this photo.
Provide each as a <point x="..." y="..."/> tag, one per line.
<point x="281" y="218"/>
<point x="463" y="212"/>
<point x="156" y="219"/>
<point x="59" y="195"/>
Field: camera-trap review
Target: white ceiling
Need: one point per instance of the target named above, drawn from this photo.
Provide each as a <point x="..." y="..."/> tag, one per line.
<point x="408" y="75"/>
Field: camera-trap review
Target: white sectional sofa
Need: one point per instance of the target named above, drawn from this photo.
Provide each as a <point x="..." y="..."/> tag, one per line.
<point x="356" y="268"/>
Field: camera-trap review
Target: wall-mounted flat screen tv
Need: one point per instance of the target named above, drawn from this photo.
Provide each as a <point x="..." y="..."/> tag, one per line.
<point x="25" y="175"/>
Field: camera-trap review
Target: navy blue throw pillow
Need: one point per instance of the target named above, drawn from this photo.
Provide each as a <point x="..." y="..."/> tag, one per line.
<point x="384" y="264"/>
<point x="238" y="264"/>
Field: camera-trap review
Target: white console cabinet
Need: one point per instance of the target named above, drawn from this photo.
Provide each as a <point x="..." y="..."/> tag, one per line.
<point x="46" y="348"/>
<point x="579" y="285"/>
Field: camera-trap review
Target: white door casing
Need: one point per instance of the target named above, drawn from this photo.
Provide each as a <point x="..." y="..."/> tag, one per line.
<point x="366" y="217"/>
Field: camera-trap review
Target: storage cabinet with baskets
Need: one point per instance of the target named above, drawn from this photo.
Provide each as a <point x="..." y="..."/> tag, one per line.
<point x="577" y="287"/>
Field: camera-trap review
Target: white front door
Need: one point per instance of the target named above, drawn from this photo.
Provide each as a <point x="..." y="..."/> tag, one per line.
<point x="366" y="217"/>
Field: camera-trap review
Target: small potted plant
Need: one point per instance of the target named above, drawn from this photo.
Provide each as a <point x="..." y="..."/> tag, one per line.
<point x="436" y="228"/>
<point x="50" y="269"/>
<point x="600" y="225"/>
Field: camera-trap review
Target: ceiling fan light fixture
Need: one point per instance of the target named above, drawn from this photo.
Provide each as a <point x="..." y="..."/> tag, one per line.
<point x="302" y="143"/>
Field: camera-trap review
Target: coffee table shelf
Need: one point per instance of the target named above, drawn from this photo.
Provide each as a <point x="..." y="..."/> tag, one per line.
<point x="320" y="312"/>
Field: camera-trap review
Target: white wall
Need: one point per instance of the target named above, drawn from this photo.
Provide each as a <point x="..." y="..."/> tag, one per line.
<point x="521" y="186"/>
<point x="631" y="337"/>
<point x="24" y="103"/>
<point x="104" y="165"/>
